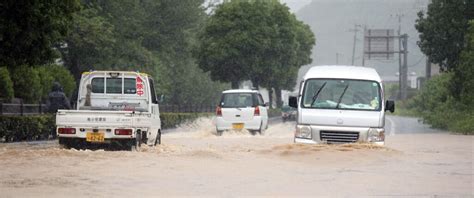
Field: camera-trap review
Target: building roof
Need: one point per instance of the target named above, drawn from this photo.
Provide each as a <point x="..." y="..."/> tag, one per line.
<point x="342" y="72"/>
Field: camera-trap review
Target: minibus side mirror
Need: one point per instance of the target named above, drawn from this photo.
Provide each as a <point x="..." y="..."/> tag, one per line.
<point x="293" y="101"/>
<point x="390" y="106"/>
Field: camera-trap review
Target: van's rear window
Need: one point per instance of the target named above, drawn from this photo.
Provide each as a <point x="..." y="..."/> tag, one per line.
<point x="234" y="100"/>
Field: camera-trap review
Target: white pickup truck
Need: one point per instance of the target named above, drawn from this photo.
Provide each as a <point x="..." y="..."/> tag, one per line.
<point x="113" y="107"/>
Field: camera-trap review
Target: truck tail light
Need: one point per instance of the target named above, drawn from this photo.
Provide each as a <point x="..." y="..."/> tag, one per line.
<point x="218" y="111"/>
<point x="66" y="130"/>
<point x="123" y="131"/>
<point x="257" y="111"/>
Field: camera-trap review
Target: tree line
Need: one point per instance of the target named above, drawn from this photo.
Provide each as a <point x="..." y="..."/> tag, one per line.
<point x="447" y="39"/>
<point x="260" y="41"/>
<point x="193" y="50"/>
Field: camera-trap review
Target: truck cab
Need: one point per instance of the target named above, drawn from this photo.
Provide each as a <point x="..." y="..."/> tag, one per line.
<point x="341" y="104"/>
<point x="113" y="107"/>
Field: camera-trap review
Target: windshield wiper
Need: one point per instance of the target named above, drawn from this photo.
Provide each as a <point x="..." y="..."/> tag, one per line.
<point x="340" y="97"/>
<point x="317" y="93"/>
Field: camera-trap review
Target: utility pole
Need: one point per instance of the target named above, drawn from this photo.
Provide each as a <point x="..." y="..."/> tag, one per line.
<point x="404" y="68"/>
<point x="355" y="30"/>
<point x="337" y="58"/>
<point x="363" y="47"/>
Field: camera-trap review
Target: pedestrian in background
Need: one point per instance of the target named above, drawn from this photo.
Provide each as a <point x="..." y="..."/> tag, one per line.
<point x="57" y="99"/>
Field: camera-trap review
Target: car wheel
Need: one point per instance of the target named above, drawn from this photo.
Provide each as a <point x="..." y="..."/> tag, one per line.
<point x="158" y="138"/>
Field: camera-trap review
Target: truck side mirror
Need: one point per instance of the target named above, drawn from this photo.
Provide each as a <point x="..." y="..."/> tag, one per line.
<point x="390" y="106"/>
<point x="293" y="101"/>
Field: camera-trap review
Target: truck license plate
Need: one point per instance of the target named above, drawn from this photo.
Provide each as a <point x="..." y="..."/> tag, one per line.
<point x="95" y="137"/>
<point x="238" y="126"/>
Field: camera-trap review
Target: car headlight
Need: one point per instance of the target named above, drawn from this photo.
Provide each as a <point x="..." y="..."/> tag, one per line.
<point x="376" y="135"/>
<point x="303" y="131"/>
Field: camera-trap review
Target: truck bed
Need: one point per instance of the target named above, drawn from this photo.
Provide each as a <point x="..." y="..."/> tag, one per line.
<point x="96" y="118"/>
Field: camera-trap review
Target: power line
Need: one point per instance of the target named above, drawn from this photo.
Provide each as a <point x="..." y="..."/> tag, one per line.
<point x="417" y="62"/>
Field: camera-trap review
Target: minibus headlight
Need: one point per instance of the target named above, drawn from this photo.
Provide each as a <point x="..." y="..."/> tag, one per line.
<point x="376" y="135"/>
<point x="303" y="131"/>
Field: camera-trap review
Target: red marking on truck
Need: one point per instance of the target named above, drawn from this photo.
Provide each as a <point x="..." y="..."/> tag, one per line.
<point x="139" y="86"/>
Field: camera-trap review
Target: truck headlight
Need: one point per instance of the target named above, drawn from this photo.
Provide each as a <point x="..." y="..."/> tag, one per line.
<point x="303" y="131"/>
<point x="376" y="135"/>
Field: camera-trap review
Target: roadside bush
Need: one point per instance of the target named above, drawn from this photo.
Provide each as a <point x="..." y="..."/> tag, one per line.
<point x="46" y="81"/>
<point x="464" y="124"/>
<point x="48" y="74"/>
<point x="26" y="84"/>
<point x="62" y="75"/>
<point x="6" y="84"/>
<point x="433" y="95"/>
<point x="440" y="109"/>
<point x="19" y="128"/>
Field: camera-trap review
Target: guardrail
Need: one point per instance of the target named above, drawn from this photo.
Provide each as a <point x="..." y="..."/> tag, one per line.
<point x="187" y="108"/>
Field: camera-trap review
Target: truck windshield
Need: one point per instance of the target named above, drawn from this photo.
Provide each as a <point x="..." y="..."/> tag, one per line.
<point x="341" y="94"/>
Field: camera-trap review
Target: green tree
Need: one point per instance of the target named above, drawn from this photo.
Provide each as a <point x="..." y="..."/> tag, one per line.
<point x="6" y="84"/>
<point x="90" y="43"/>
<point x="26" y="84"/>
<point x="443" y="30"/>
<point x="256" y="40"/>
<point x="46" y="81"/>
<point x="284" y="77"/>
<point x="152" y="36"/>
<point x="29" y="30"/>
<point x="231" y="38"/>
<point x="464" y="73"/>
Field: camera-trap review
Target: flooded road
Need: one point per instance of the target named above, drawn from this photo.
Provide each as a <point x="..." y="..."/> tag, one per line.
<point x="416" y="161"/>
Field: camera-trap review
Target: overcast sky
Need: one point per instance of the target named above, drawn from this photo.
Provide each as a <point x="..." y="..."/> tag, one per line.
<point x="296" y="5"/>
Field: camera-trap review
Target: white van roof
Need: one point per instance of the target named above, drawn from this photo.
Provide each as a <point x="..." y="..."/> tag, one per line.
<point x="342" y="72"/>
<point x="240" y="91"/>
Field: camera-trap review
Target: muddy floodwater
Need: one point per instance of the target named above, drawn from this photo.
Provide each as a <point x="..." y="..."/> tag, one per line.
<point x="192" y="161"/>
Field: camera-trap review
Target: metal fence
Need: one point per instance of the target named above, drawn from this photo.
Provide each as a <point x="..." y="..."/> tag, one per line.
<point x="200" y="108"/>
<point x="21" y="109"/>
<point x="35" y="109"/>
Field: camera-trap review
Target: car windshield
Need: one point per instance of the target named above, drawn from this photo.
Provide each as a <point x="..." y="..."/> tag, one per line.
<point x="235" y="100"/>
<point x="341" y="94"/>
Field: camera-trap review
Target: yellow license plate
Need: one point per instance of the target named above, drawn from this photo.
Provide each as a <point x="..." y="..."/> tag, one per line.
<point x="238" y="126"/>
<point x="95" y="137"/>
